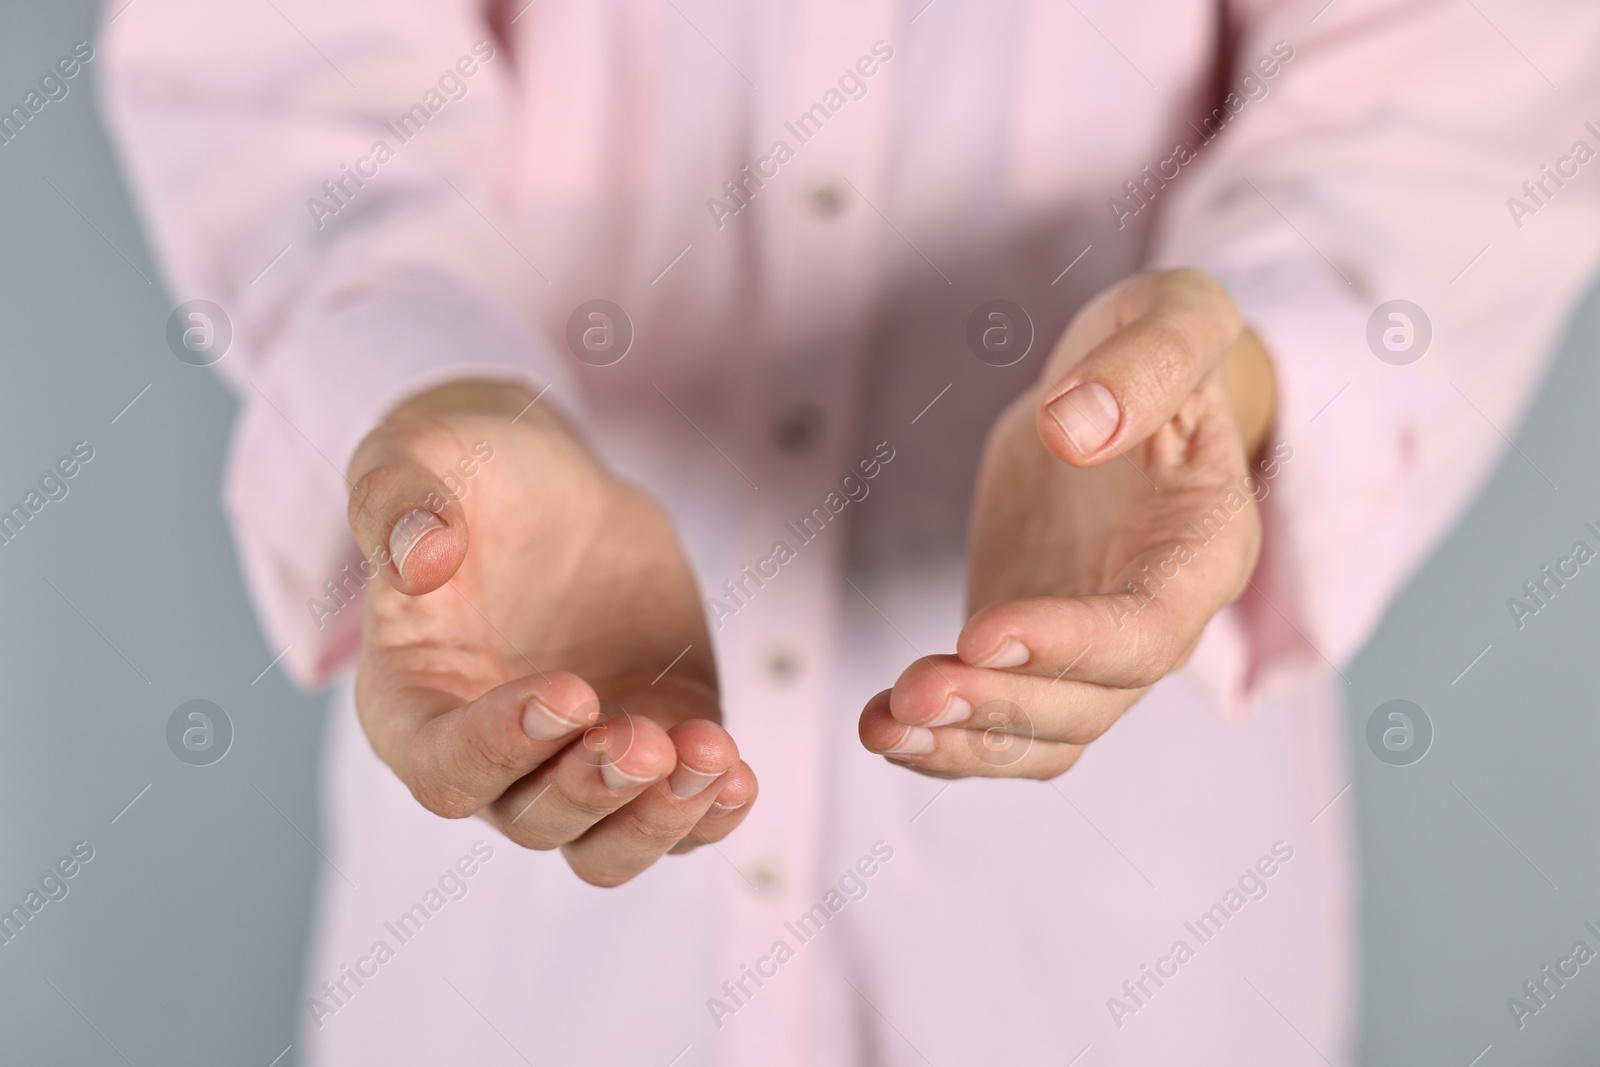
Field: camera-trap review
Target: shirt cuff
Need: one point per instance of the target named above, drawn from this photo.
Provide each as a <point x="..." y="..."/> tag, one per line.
<point x="1329" y="491"/>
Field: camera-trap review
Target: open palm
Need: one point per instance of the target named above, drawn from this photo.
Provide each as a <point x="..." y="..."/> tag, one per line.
<point x="515" y="661"/>
<point x="1114" y="516"/>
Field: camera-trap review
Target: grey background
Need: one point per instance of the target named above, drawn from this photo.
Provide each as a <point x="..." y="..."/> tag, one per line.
<point x="181" y="942"/>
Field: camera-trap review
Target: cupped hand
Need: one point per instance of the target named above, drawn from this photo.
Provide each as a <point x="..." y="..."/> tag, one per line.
<point x="535" y="651"/>
<point x="1114" y="516"/>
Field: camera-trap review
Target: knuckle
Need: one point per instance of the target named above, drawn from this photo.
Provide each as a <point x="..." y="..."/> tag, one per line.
<point x="483" y="754"/>
<point x="1147" y="671"/>
<point x="604" y="879"/>
<point x="1214" y="293"/>
<point x="658" y="830"/>
<point x="603" y="876"/>
<point x="1088" y="730"/>
<point x="434" y="779"/>
<point x="1153" y="643"/>
<point x="1140" y="665"/>
<point x="1128" y="298"/>
<point x="1195" y="280"/>
<point x="529" y="835"/>
<point x="1188" y="281"/>
<point x="1050" y="771"/>
<point x="1169" y="358"/>
<point x="443" y="799"/>
<point x="363" y="496"/>
<point x="1168" y="655"/>
<point x="1205" y="291"/>
<point x="586" y="809"/>
<point x="1181" y="657"/>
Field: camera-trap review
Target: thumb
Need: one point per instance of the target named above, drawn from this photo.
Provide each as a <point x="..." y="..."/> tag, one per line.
<point x="403" y="516"/>
<point x="1166" y="333"/>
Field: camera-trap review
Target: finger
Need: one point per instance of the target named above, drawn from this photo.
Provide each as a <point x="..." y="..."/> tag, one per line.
<point x="705" y="752"/>
<point x="405" y="519"/>
<point x="1169" y="333"/>
<point x="942" y="691"/>
<point x="455" y="760"/>
<point x="1117" y="640"/>
<point x="953" y="752"/>
<point x="1129" y="638"/>
<point x="607" y="766"/>
<point x="735" y="797"/>
<point x="625" y="843"/>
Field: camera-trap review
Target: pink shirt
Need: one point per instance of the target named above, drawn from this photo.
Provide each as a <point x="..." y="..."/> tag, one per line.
<point x="799" y="205"/>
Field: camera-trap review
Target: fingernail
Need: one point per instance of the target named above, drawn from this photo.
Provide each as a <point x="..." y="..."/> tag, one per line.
<point x="955" y="710"/>
<point x="1088" y="415"/>
<point x="1013" y="653"/>
<point x="619" y="781"/>
<point x="685" y="782"/>
<point x="408" y="532"/>
<point x="719" y="808"/>
<point x="542" y="724"/>
<point x="916" y="741"/>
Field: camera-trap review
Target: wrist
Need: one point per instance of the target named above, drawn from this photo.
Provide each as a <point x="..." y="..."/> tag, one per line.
<point x="468" y="396"/>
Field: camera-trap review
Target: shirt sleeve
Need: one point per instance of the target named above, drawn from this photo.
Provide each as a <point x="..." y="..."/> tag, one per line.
<point x="334" y="184"/>
<point x="1375" y="152"/>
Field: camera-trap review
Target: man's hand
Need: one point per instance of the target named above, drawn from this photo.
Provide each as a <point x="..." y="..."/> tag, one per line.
<point x="522" y="583"/>
<point x="1113" y="518"/>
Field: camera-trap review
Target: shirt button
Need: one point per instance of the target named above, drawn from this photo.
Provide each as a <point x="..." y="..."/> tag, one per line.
<point x="798" y="429"/>
<point x="825" y="199"/>
<point x="765" y="877"/>
<point x="782" y="665"/>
